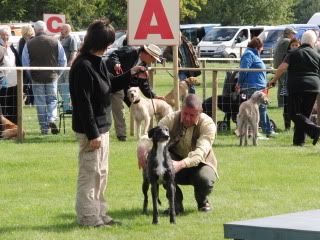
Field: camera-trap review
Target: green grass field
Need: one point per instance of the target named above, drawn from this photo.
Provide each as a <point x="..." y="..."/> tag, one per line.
<point x="38" y="184"/>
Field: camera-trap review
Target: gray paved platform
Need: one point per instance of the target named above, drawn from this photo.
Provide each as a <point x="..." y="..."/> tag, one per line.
<point x="293" y="226"/>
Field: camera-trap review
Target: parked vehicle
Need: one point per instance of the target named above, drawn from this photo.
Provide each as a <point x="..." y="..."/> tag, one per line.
<point x="315" y="19"/>
<point x="195" y="32"/>
<point x="227" y="41"/>
<point x="272" y="35"/>
<point x="118" y="43"/>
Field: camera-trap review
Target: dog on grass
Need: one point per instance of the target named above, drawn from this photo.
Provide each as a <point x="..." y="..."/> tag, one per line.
<point x="144" y="109"/>
<point x="183" y="90"/>
<point x="248" y="117"/>
<point x="8" y="130"/>
<point x="159" y="170"/>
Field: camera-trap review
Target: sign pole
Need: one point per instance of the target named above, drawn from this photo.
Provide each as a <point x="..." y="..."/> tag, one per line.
<point x="176" y="76"/>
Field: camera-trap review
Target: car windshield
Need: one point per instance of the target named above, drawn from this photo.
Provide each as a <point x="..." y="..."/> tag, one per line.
<point x="272" y="35"/>
<point x="220" y="34"/>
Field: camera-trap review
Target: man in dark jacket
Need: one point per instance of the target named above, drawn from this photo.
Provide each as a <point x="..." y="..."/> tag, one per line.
<point x="280" y="52"/>
<point x="120" y="61"/>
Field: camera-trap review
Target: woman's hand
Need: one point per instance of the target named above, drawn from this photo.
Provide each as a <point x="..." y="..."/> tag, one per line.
<point x="95" y="143"/>
<point x="272" y="83"/>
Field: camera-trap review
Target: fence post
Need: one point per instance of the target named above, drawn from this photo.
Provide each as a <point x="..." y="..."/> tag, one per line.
<point x="20" y="104"/>
<point x="151" y="82"/>
<point x="318" y="109"/>
<point x="214" y="95"/>
<point x="204" y="86"/>
<point x="176" y="77"/>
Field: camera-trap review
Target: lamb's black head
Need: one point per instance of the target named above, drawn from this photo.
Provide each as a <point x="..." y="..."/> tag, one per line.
<point x="159" y="134"/>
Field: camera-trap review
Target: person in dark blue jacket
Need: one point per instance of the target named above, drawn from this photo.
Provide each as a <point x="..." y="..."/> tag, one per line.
<point x="249" y="82"/>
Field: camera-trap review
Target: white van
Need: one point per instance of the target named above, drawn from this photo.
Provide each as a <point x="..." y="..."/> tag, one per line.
<point x="227" y="42"/>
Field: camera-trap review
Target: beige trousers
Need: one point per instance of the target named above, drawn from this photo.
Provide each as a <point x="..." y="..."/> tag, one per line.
<point x="92" y="181"/>
<point x="118" y="113"/>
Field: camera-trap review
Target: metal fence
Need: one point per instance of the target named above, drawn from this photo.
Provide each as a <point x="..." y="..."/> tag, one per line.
<point x="214" y="77"/>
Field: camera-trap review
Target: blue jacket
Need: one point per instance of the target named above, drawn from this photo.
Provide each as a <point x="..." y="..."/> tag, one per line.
<point x="257" y="80"/>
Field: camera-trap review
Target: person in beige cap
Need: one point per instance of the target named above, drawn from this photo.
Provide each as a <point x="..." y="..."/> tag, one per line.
<point x="280" y="52"/>
<point x="120" y="61"/>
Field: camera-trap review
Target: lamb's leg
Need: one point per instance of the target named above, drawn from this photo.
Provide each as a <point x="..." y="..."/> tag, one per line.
<point x="154" y="191"/>
<point x="145" y="188"/>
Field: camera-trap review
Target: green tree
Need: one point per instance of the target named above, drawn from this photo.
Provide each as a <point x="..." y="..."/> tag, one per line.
<point x="304" y="9"/>
<point x="230" y="12"/>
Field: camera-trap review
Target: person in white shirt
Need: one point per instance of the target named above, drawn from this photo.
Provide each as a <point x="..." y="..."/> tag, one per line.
<point x="8" y="91"/>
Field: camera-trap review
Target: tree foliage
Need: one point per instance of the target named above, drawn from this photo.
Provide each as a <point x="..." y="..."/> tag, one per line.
<point x="304" y="9"/>
<point x="227" y="12"/>
<point x="230" y="12"/>
<point x="81" y="12"/>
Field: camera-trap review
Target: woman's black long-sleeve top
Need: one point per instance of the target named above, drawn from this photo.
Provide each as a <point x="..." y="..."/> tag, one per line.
<point x="90" y="88"/>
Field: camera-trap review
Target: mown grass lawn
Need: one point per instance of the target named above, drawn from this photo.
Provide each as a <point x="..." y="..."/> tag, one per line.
<point x="38" y="185"/>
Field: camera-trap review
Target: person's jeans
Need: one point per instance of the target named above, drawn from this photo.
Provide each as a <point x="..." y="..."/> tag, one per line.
<point x="63" y="88"/>
<point x="182" y="76"/>
<point x="45" y="98"/>
<point x="264" y="119"/>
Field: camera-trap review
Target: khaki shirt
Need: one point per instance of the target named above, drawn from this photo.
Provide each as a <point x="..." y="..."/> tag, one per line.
<point x="204" y="142"/>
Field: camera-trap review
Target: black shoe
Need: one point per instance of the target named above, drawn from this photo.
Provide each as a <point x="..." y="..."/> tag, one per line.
<point x="316" y="137"/>
<point x="122" y="138"/>
<point x="205" y="208"/>
<point x="54" y="128"/>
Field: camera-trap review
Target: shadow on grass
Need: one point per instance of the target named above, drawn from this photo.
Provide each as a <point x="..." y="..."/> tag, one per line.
<point x="131" y="214"/>
<point x="48" y="139"/>
<point x="70" y="222"/>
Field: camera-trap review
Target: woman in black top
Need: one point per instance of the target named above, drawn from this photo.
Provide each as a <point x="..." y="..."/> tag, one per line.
<point x="90" y="87"/>
<point x="303" y="66"/>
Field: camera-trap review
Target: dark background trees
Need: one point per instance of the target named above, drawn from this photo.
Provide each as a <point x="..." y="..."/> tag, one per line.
<point x="227" y="12"/>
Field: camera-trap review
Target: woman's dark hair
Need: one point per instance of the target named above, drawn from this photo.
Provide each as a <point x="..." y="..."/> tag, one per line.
<point x="293" y="40"/>
<point x="255" y="43"/>
<point x="100" y="35"/>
